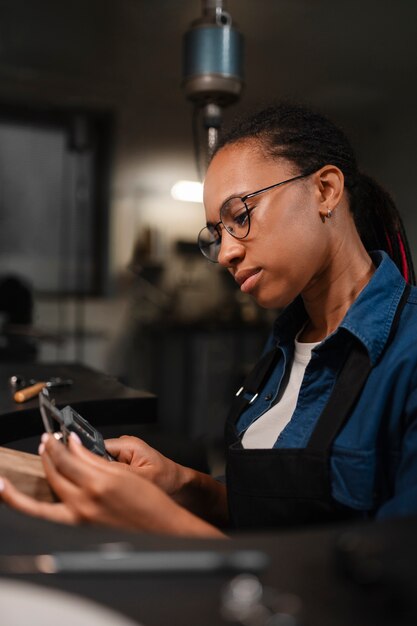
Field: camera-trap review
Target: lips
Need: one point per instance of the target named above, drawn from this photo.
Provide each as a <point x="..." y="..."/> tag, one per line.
<point x="246" y="279"/>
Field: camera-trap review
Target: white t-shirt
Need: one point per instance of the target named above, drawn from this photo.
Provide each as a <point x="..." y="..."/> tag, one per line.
<point x="264" y="431"/>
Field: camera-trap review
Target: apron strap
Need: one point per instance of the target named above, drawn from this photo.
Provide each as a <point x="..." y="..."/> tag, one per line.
<point x="347" y="389"/>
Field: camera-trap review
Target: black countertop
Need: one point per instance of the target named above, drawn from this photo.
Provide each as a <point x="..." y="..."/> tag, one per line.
<point x="100" y="398"/>
<point x="375" y="586"/>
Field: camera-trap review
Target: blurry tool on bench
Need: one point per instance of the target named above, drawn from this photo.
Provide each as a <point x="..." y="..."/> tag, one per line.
<point x="26" y="389"/>
<point x="246" y="601"/>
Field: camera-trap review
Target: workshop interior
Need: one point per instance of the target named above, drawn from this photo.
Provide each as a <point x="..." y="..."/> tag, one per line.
<point x="109" y="114"/>
<point x="103" y="111"/>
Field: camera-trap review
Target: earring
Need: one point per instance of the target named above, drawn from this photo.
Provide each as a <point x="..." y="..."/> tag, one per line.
<point x="328" y="215"/>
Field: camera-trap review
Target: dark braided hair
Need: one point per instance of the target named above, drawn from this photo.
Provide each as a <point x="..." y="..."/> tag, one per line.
<point x="310" y="141"/>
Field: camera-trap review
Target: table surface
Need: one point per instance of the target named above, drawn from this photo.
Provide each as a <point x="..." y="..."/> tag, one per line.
<point x="303" y="563"/>
<point x="100" y="398"/>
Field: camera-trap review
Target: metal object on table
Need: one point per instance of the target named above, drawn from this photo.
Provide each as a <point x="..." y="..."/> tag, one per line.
<point x="246" y="601"/>
<point x="125" y="560"/>
<point x="18" y="382"/>
<point x="26" y="389"/>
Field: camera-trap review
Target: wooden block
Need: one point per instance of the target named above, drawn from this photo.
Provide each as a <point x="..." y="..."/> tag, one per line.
<point x="26" y="472"/>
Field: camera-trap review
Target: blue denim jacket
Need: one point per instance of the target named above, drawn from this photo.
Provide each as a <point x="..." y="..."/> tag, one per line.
<point x="373" y="463"/>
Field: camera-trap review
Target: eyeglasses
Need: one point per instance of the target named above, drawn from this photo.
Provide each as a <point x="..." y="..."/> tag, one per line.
<point x="235" y="217"/>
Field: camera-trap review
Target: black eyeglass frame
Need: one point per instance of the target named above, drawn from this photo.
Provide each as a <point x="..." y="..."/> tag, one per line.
<point x="248" y="212"/>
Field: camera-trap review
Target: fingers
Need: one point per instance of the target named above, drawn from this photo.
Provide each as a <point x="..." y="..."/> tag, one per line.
<point x="74" y="465"/>
<point x="64" y="488"/>
<point x="124" y="447"/>
<point x="114" y="446"/>
<point x="132" y="450"/>
<point x="84" y="455"/>
<point x="16" y="499"/>
<point x="75" y="448"/>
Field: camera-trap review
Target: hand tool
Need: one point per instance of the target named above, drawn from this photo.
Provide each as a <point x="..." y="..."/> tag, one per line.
<point x="25" y="393"/>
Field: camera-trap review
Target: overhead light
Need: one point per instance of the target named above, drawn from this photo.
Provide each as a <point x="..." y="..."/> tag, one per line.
<point x="188" y="191"/>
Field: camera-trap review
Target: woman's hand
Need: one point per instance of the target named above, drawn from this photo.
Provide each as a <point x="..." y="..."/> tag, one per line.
<point x="147" y="462"/>
<point x="94" y="490"/>
<point x="196" y="491"/>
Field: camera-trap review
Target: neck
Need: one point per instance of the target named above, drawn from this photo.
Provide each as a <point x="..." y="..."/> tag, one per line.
<point x="330" y="295"/>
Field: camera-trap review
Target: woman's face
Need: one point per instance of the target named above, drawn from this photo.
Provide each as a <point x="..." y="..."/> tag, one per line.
<point x="286" y="248"/>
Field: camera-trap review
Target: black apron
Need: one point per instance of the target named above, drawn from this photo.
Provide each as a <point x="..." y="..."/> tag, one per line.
<point x="288" y="487"/>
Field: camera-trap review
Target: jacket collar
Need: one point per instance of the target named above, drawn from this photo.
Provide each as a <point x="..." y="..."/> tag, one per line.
<point x="369" y="318"/>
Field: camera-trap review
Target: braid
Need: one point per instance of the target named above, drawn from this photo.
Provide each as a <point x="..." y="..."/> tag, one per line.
<point x="310" y="141"/>
<point x="382" y="228"/>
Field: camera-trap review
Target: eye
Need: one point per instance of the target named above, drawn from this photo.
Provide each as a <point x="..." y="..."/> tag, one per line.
<point x="235" y="218"/>
<point x="237" y="222"/>
<point x="236" y="213"/>
<point x="241" y="218"/>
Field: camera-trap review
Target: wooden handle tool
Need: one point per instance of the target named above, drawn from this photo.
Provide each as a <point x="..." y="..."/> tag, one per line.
<point x="29" y="392"/>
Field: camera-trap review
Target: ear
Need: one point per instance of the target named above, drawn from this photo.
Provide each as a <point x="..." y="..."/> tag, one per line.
<point x="330" y="185"/>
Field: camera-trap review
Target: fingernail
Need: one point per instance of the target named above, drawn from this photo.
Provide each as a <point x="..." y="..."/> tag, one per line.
<point x="41" y="448"/>
<point x="75" y="437"/>
<point x="1" y="484"/>
<point x="44" y="437"/>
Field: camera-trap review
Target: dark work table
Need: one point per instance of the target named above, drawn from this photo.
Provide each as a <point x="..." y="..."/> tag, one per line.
<point x="100" y="398"/>
<point x="375" y="585"/>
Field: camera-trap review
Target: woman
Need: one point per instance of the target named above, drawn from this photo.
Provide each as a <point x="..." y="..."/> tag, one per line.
<point x="325" y="428"/>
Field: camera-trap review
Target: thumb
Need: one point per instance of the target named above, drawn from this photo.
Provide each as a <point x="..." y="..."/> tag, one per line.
<point x="115" y="447"/>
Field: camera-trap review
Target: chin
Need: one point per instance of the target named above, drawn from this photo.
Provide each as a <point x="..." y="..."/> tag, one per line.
<point x="274" y="301"/>
<point x="267" y="303"/>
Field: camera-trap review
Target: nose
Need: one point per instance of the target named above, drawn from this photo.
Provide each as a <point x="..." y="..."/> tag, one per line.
<point x="232" y="250"/>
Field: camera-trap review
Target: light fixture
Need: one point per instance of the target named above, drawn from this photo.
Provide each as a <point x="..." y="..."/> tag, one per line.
<point x="212" y="69"/>
<point x="188" y="191"/>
